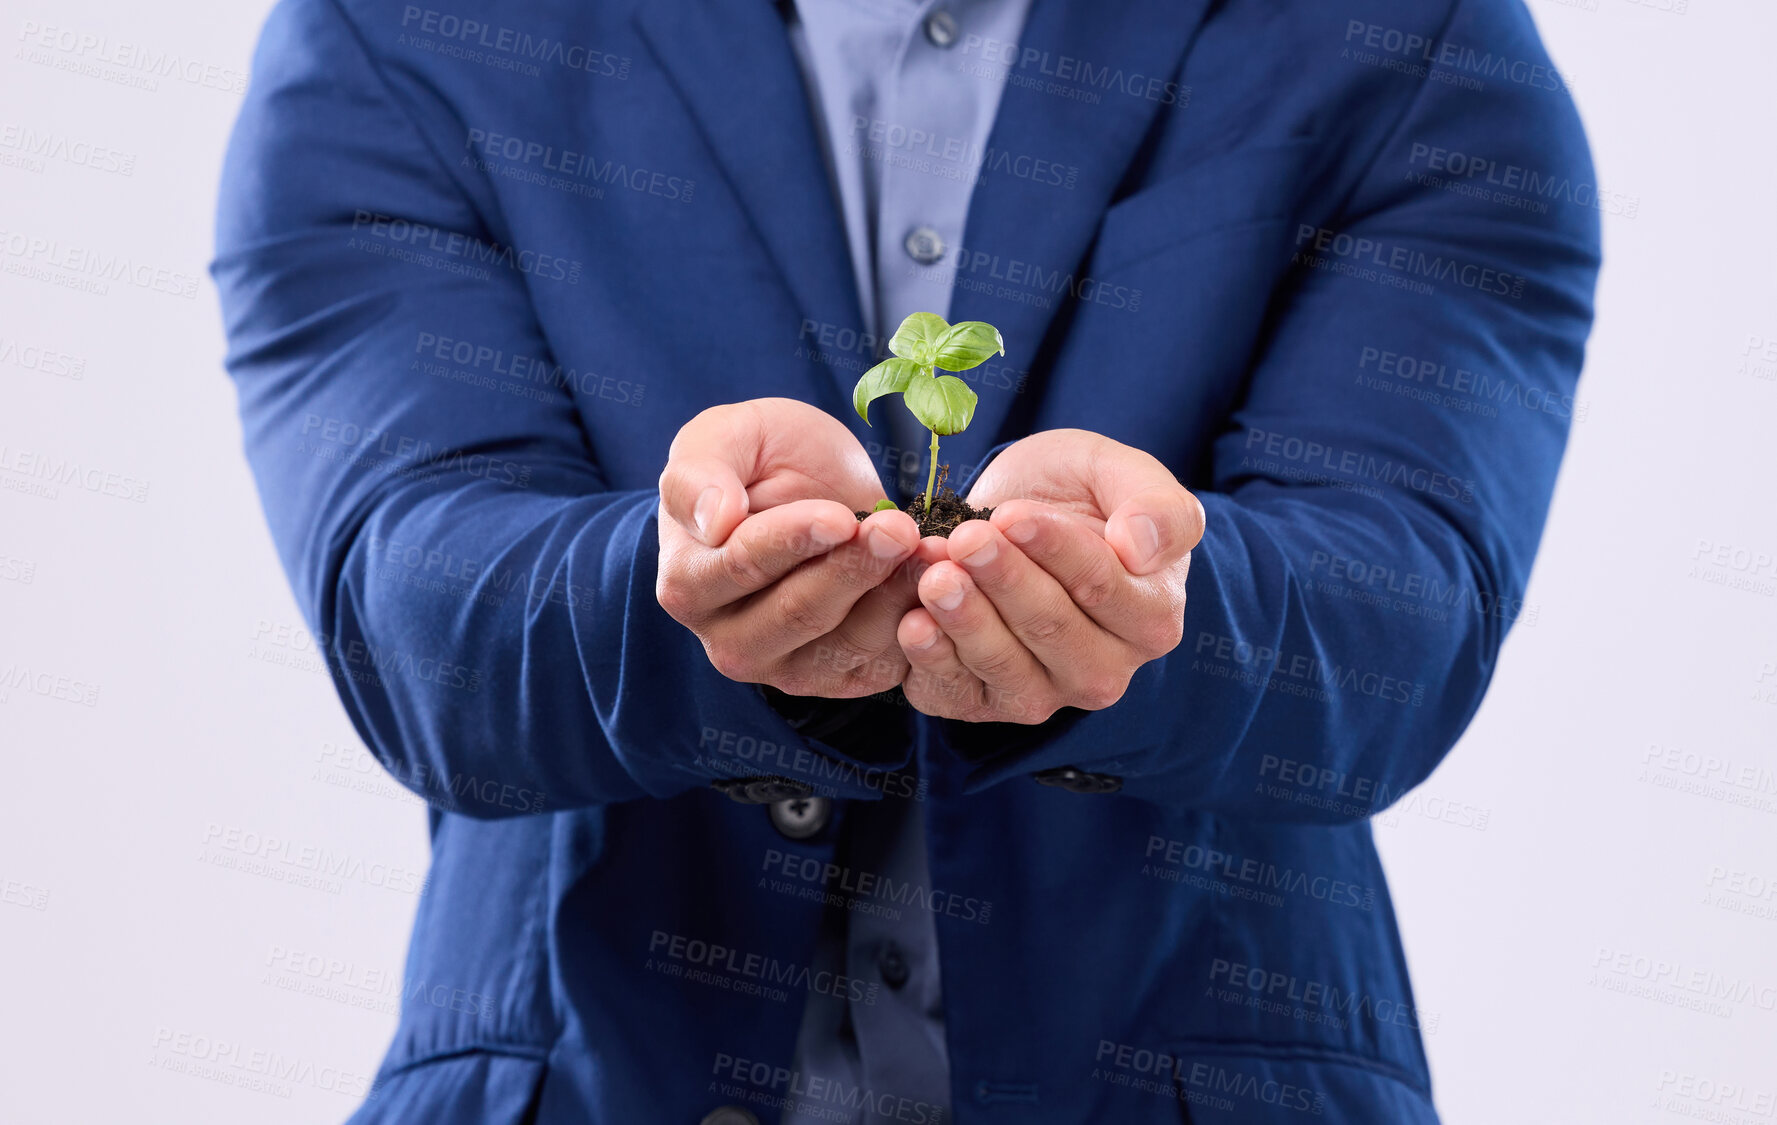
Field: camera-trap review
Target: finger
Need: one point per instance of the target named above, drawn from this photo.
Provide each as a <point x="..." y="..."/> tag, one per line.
<point x="1076" y="650"/>
<point x="1155" y="528"/>
<point x="696" y="582"/>
<point x="984" y="645"/>
<point x="860" y="656"/>
<point x="748" y="456"/>
<point x="808" y="614"/>
<point x="1152" y="521"/>
<point x="937" y="683"/>
<point x="702" y="488"/>
<point x="1147" y="612"/>
<point x="863" y="651"/>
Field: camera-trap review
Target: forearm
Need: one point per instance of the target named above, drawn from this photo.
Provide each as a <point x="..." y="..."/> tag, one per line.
<point x="1294" y="663"/>
<point x="1292" y="673"/>
<point x="482" y="638"/>
<point x="488" y="600"/>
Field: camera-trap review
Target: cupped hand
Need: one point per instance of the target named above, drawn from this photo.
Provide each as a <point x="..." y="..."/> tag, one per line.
<point x="1076" y="581"/>
<point x="762" y="557"/>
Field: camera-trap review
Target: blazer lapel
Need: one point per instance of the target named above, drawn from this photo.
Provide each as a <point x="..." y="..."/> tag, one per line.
<point x="1039" y="229"/>
<point x="732" y="63"/>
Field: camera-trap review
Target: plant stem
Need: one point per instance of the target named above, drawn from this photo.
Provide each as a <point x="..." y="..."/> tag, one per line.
<point x="932" y="475"/>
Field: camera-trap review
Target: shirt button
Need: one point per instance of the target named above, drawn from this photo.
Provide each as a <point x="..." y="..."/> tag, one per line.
<point x="941" y="28"/>
<point x="801" y="817"/>
<point x="924" y="245"/>
<point x="893" y="966"/>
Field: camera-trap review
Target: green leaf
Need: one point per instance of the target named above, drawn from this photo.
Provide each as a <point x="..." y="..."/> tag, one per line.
<point x="891" y="376"/>
<point x="967" y="344"/>
<point x="885" y="505"/>
<point x="944" y="405"/>
<point x="917" y="338"/>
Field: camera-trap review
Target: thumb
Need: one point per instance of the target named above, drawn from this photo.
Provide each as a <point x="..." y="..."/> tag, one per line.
<point x="701" y="487"/>
<point x="705" y="497"/>
<point x="1155" y="527"/>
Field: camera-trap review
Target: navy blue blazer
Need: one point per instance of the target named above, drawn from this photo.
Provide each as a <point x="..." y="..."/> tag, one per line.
<point x="1332" y="263"/>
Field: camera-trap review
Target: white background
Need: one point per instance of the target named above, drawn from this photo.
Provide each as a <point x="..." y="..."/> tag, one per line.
<point x="1600" y="948"/>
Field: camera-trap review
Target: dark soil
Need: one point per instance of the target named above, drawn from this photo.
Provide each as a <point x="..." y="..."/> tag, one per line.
<point x="948" y="510"/>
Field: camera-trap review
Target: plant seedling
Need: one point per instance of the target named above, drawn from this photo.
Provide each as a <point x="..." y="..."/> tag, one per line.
<point x="943" y="404"/>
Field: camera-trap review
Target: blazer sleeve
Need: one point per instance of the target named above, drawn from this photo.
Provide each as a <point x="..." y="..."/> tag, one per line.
<point x="1366" y="551"/>
<point x="484" y="601"/>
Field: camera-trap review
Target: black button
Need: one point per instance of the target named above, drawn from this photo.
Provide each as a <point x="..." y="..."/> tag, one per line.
<point x="1076" y="780"/>
<point x="892" y="964"/>
<point x="801" y="817"/>
<point x="761" y="790"/>
<point x="730" y="1115"/>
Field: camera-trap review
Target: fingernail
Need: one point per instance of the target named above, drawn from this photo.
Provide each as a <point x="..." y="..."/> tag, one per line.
<point x="1146" y="535"/>
<point x="923" y="643"/>
<point x="950" y="596"/>
<point x="824" y="536"/>
<point x="1021" y="532"/>
<point x="885" y="546"/>
<point x="708" y="501"/>
<point x="982" y="555"/>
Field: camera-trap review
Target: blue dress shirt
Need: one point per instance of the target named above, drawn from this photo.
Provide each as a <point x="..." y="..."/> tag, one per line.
<point x="905" y="125"/>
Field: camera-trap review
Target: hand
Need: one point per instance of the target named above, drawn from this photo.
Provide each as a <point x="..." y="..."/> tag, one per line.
<point x="1076" y="581"/>
<point x="762" y="557"/>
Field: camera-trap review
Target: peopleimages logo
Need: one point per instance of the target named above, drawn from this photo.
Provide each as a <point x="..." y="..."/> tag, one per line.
<point x="1307" y="669"/>
<point x="950" y="157"/>
<point x="275" y="853"/>
<point x="36" y="146"/>
<point x="48" y="685"/>
<point x="738" y="754"/>
<point x="474" y="37"/>
<point x="723" y="959"/>
<point x="1273" y="991"/>
<point x="1513" y="178"/>
<point x="48" y="471"/>
<point x="1706" y="987"/>
<point x="823" y="1098"/>
<point x="1408" y="262"/>
<point x="130" y="64"/>
<point x="363" y="662"/>
<point x="1066" y="75"/>
<point x="258" y="1069"/>
<point x="1410" y="374"/>
<point x="520" y="158"/>
<point x="47" y="361"/>
<point x="1355" y="465"/>
<point x="1199" y="1082"/>
<point x="404" y="455"/>
<point x="1453" y="57"/>
<point x="871" y="886"/>
<point x="81" y="267"/>
<point x="526" y="376"/>
<point x="390" y="231"/>
<point x="1262" y="875"/>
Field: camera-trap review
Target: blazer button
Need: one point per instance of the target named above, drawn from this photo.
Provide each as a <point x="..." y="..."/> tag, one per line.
<point x="761" y="790"/>
<point x="1076" y="780"/>
<point x="801" y="817"/>
<point x="730" y="1115"/>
